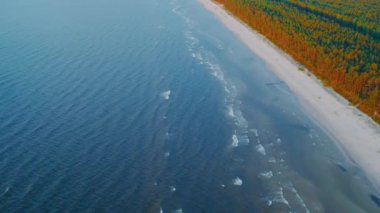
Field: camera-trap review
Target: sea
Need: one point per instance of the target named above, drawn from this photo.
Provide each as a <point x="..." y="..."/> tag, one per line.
<point x="154" y="106"/>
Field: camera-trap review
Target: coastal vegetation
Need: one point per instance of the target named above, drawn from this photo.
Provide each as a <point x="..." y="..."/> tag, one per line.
<point x="337" y="40"/>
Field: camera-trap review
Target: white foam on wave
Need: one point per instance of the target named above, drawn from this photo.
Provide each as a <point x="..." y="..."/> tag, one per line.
<point x="270" y="145"/>
<point x="191" y="41"/>
<point x="235" y="141"/>
<point x="165" y="95"/>
<point x="310" y="136"/>
<point x="172" y="188"/>
<point x="241" y="131"/>
<point x="237" y="181"/>
<point x="240" y="120"/>
<point x="216" y="71"/>
<point x="161" y="211"/>
<point x="260" y="149"/>
<point x="226" y="89"/>
<point x="179" y="210"/>
<point x="241" y="123"/>
<point x="5" y="191"/>
<point x="298" y="198"/>
<point x="255" y="131"/>
<point x="278" y="140"/>
<point x="232" y="104"/>
<point x="277" y="197"/>
<point x="272" y="160"/>
<point x="244" y="139"/>
<point x="177" y="10"/>
<point x="230" y="111"/>
<point x="197" y="56"/>
<point x="167" y="154"/>
<point x="266" y="174"/>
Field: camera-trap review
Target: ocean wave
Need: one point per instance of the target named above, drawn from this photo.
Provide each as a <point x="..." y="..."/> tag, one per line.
<point x="243" y="138"/>
<point x="233" y="111"/>
<point x="191" y="41"/>
<point x="237" y="181"/>
<point x="165" y="95"/>
<point x="227" y="90"/>
<point x="177" y="10"/>
<point x="298" y="198"/>
<point x="278" y="141"/>
<point x="260" y="149"/>
<point x="230" y="111"/>
<point x="235" y="141"/>
<point x="5" y="191"/>
<point x="266" y="174"/>
<point x="255" y="132"/>
<point x="277" y="197"/>
<point x="272" y="160"/>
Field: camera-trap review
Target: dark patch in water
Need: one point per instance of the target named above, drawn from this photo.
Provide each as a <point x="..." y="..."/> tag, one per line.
<point x="375" y="199"/>
<point x="274" y="83"/>
<point x="301" y="127"/>
<point x="341" y="167"/>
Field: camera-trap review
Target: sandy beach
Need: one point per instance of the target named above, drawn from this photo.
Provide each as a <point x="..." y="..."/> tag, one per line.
<point x="355" y="133"/>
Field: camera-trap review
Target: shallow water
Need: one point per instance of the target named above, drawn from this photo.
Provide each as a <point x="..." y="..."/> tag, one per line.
<point x="127" y="105"/>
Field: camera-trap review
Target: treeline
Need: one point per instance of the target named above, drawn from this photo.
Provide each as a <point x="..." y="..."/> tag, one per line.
<point x="344" y="20"/>
<point x="344" y="53"/>
<point x="361" y="12"/>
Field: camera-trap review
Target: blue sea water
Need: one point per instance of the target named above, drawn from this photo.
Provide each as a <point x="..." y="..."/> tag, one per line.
<point x="149" y="106"/>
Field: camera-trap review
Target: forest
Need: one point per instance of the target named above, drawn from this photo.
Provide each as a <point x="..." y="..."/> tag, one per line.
<point x="337" y="40"/>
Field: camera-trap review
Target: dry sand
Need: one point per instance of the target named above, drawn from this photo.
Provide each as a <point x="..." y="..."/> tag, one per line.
<point x="355" y="132"/>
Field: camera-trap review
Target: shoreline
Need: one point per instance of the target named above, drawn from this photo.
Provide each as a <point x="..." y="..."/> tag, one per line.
<point x="355" y="133"/>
